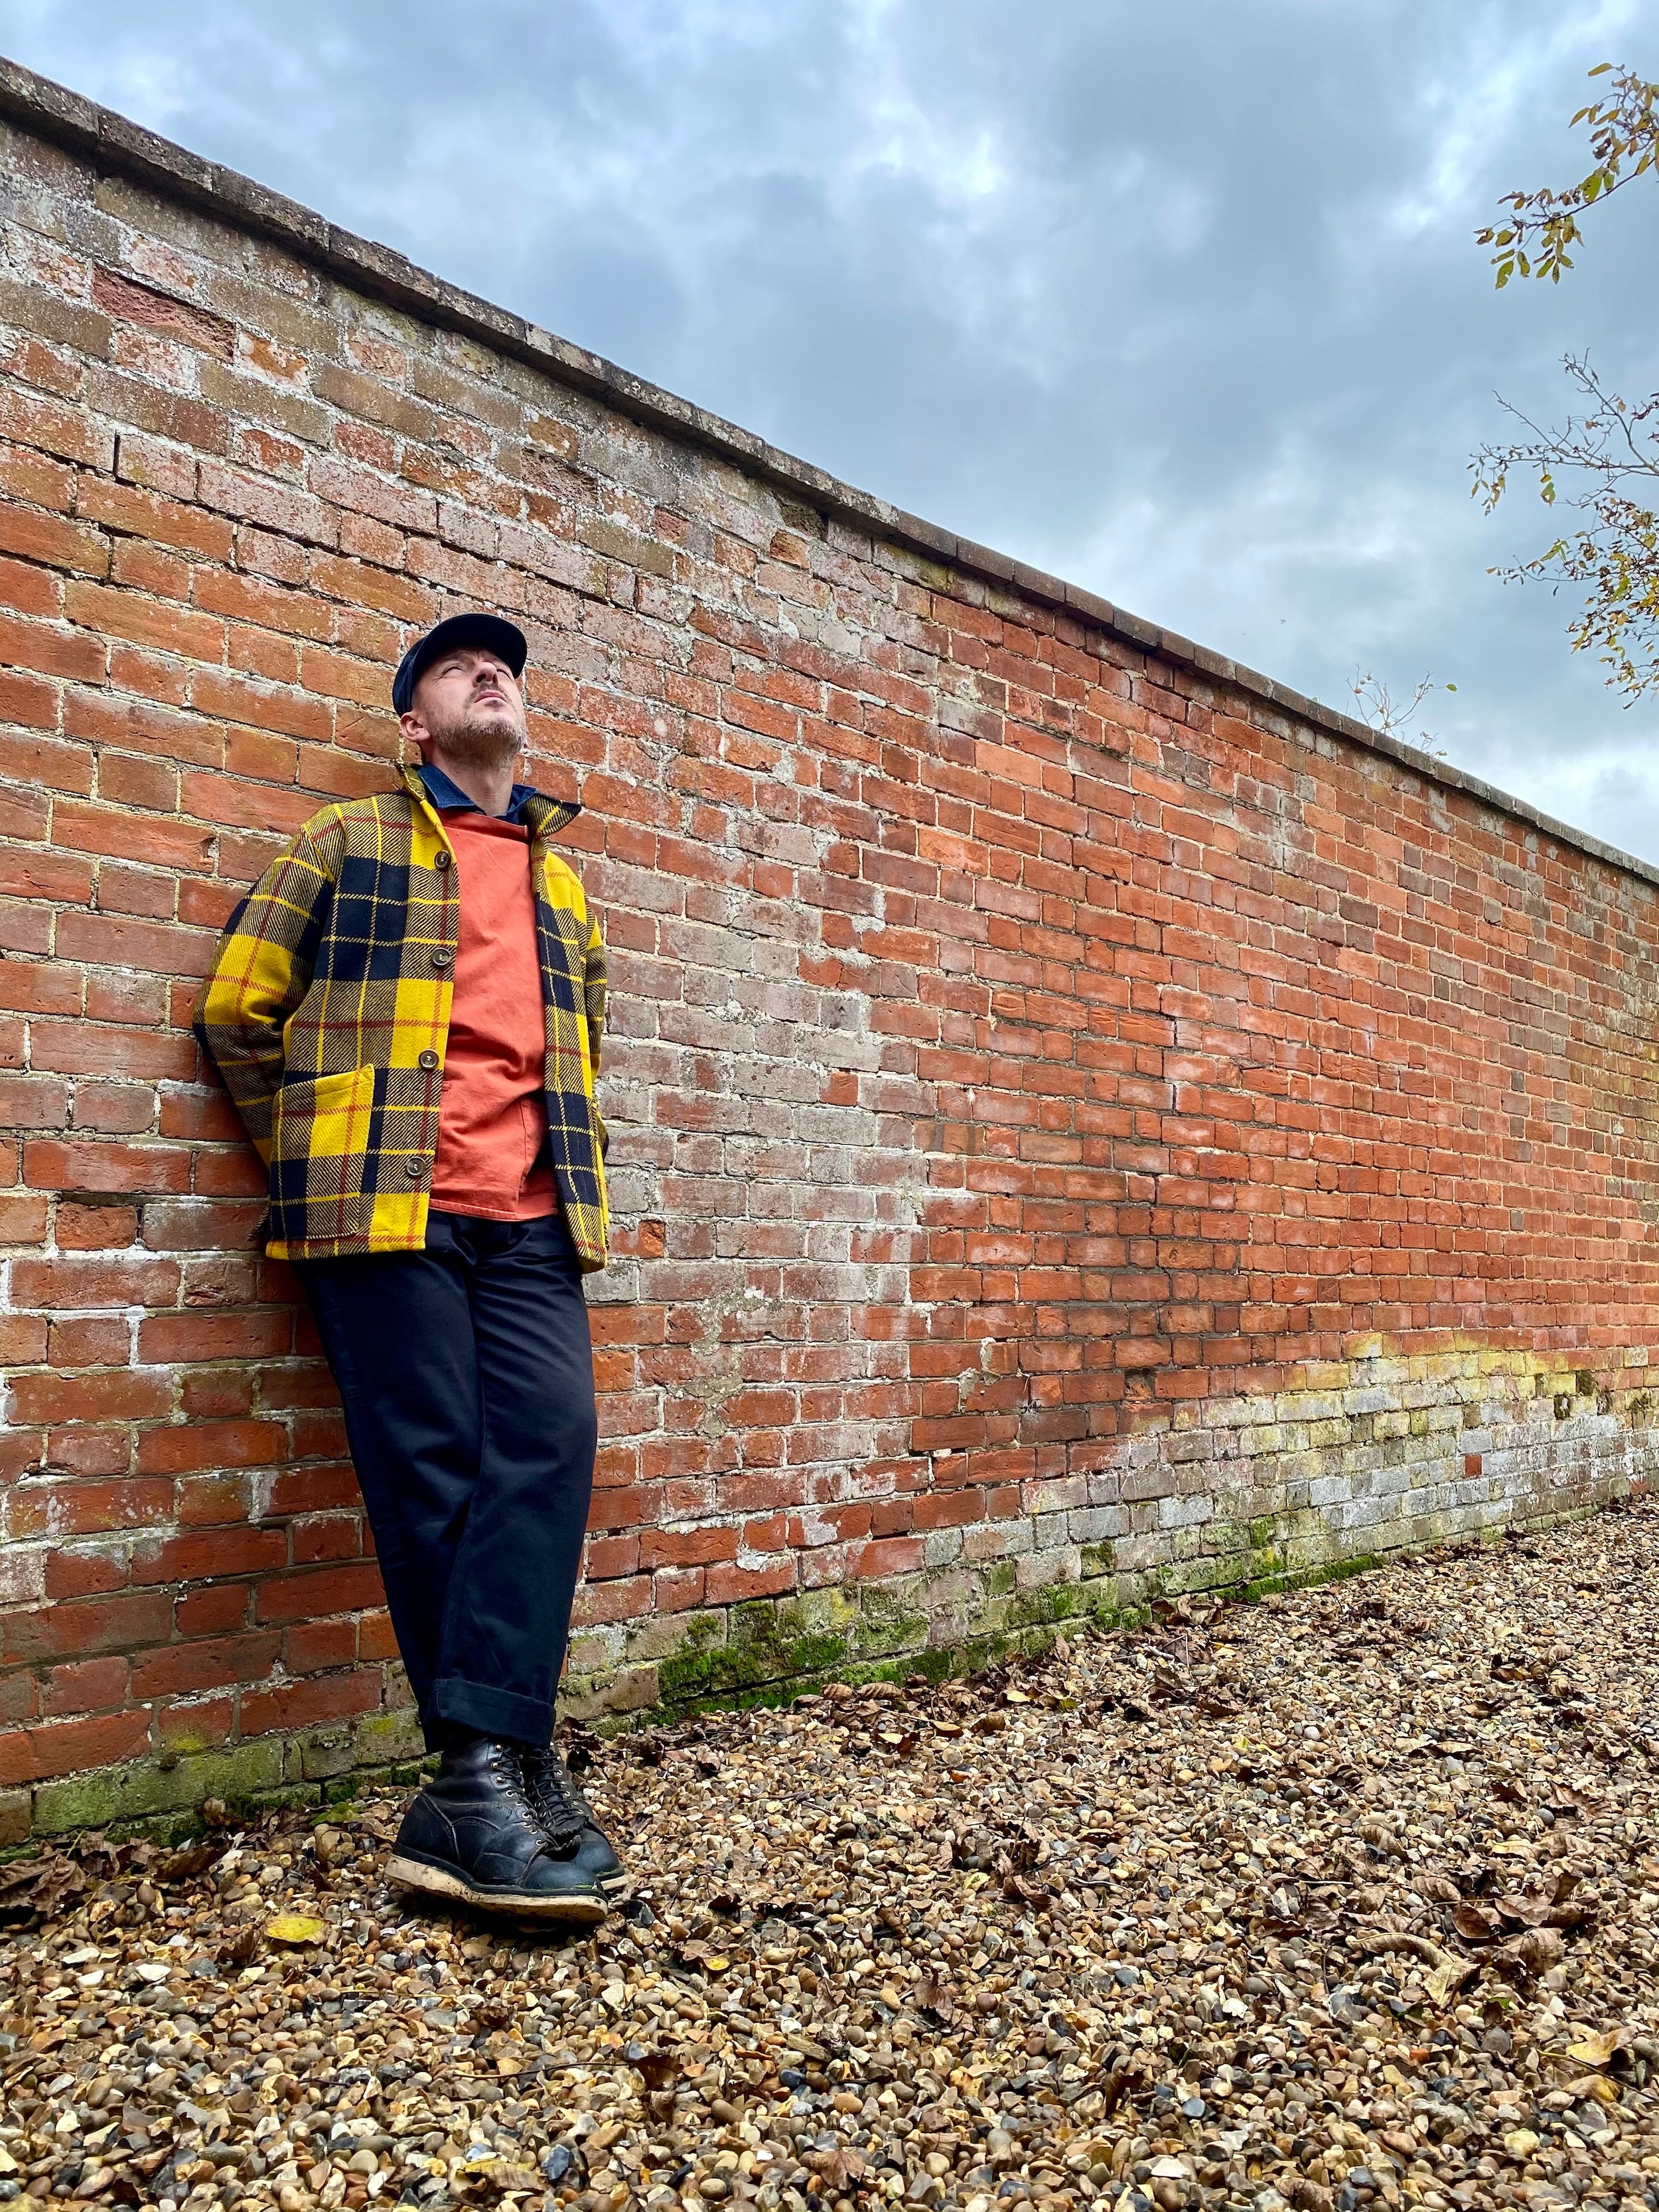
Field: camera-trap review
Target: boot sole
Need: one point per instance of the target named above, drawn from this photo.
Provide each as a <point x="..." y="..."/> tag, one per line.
<point x="529" y="1905"/>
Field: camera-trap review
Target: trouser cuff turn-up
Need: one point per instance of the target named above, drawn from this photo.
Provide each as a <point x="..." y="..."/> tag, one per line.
<point x="491" y="1711"/>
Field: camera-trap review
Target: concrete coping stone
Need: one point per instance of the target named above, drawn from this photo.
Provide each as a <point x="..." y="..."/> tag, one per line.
<point x="54" y="113"/>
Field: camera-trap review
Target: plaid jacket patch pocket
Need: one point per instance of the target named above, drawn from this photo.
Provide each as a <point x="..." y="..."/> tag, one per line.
<point x="319" y="1149"/>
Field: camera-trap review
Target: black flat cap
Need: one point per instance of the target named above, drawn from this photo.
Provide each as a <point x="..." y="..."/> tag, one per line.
<point x="493" y="632"/>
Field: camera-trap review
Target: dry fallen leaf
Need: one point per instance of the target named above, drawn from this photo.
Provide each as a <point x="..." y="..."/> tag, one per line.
<point x="1600" y="2049"/>
<point x="1447" y="1979"/>
<point x="1475" y="1924"/>
<point x="296" y="1928"/>
<point x="1534" y="1952"/>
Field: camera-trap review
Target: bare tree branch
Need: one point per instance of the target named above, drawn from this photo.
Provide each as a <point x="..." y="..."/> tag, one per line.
<point x="1611" y="451"/>
<point x="1376" y="706"/>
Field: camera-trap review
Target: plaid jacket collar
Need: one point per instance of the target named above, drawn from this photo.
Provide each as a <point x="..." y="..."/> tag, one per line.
<point x="543" y="817"/>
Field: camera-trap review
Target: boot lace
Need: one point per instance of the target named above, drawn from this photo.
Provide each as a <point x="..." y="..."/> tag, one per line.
<point x="509" y="1762"/>
<point x="556" y="1801"/>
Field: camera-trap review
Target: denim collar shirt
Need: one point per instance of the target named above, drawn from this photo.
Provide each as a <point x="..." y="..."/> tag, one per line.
<point x="445" y="794"/>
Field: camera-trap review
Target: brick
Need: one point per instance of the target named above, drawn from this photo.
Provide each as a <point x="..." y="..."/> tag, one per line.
<point x="245" y="804"/>
<point x="232" y="698"/>
<point x="311" y="1646"/>
<point x="149" y="515"/>
<point x="23" y="1220"/>
<point x="152" y="947"/>
<point x="71" y="1574"/>
<point x="36" y="481"/>
<point x="126" y="781"/>
<point x="263" y="1335"/>
<point x="186" y="1449"/>
<point x="141" y="620"/>
<point x="81" y="1282"/>
<point x="22" y="1338"/>
<point x="116" y="1108"/>
<point x="102" y="1042"/>
<point x="122" y="1621"/>
<point x="208" y="1552"/>
<point x="270" y="606"/>
<point x="36" y="1754"/>
<point x="168" y="414"/>
<point x="197" y="1225"/>
<point x="90" y="1341"/>
<point x="67" y="432"/>
<point x="81" y="655"/>
<point x="326" y="1536"/>
<point x="32" y="703"/>
<point x="123" y="300"/>
<point x="65" y="1510"/>
<point x="661" y="1548"/>
<point x="90" y="1165"/>
<point x="210" y="1662"/>
<point x="32" y="1102"/>
<point x="375" y="1640"/>
<point x="27" y="590"/>
<point x="110" y="830"/>
<point x="220" y="1497"/>
<point x="85" y="1686"/>
<point x="25" y="814"/>
<point x="51" y="540"/>
<point x="214" y="1611"/>
<point x="219" y="1390"/>
<point x="20" y="1700"/>
<point x="309" y="1703"/>
<point x="121" y="1395"/>
<point x="138" y="726"/>
<point x="55" y="879"/>
<point x="201" y="1723"/>
<point x="315" y="1592"/>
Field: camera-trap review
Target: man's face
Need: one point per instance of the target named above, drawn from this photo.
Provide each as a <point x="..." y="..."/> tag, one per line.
<point x="468" y="708"/>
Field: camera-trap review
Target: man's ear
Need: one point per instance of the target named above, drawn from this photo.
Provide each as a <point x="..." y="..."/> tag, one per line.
<point x="414" y="729"/>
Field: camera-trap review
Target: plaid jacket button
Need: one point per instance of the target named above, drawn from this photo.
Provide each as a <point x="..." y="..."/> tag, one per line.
<point x="441" y="958"/>
<point x="440" y="861"/>
<point x="429" y="1060"/>
<point x="414" y="1170"/>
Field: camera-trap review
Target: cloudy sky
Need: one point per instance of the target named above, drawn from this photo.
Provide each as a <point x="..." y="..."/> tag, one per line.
<point x="1181" y="301"/>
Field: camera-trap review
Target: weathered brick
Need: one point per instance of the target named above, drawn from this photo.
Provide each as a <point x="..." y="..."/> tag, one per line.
<point x="103" y="611"/>
<point x="53" y="540"/>
<point x="35" y="1754"/>
<point x="122" y="1621"/>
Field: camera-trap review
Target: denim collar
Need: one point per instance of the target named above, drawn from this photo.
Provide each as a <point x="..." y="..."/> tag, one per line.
<point x="444" y="793"/>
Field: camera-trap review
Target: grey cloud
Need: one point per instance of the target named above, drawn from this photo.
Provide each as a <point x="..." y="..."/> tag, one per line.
<point x="1183" y="303"/>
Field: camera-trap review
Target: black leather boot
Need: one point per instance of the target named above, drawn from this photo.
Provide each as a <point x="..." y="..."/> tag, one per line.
<point x="567" y="1818"/>
<point x="472" y="1836"/>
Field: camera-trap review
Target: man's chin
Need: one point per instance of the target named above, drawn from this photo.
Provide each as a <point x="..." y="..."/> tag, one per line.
<point x="484" y="742"/>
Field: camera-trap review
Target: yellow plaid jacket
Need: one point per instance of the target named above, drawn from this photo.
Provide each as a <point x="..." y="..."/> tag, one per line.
<point x="327" y="1014"/>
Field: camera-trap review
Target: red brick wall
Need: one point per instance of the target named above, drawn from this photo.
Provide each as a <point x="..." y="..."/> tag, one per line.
<point x="1074" y="1122"/>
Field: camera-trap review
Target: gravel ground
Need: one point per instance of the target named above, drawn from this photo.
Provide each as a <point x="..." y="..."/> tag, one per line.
<point x="1345" y="1896"/>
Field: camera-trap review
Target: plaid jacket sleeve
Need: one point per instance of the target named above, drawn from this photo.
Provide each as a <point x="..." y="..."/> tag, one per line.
<point x="261" y="973"/>
<point x="593" y="998"/>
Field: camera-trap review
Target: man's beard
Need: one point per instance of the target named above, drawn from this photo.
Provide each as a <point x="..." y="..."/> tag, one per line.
<point x="480" y="737"/>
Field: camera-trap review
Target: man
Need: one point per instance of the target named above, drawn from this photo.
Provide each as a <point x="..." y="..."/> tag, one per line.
<point x="407" y="1011"/>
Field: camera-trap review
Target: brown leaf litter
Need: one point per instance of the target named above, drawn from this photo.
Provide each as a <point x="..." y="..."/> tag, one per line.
<point x="1348" y="1898"/>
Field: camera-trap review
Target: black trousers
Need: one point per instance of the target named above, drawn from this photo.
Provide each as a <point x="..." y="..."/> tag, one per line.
<point x="466" y="1375"/>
